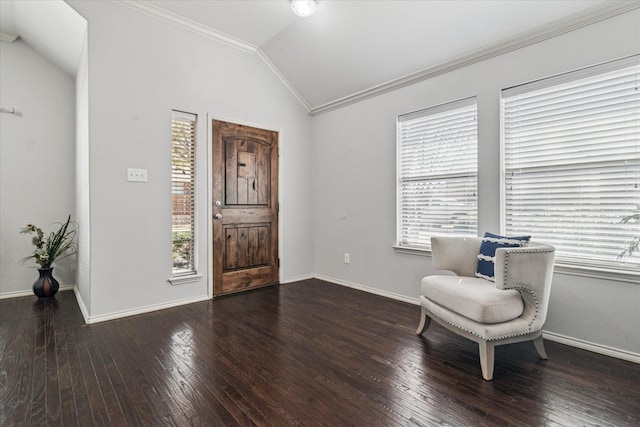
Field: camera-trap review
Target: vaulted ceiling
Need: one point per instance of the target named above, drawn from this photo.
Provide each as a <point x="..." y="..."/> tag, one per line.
<point x="348" y="49"/>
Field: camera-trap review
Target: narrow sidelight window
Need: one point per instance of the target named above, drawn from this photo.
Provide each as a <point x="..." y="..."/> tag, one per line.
<point x="183" y="142"/>
<point x="437" y="154"/>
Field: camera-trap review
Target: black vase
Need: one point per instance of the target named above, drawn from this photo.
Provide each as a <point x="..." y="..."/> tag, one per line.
<point x="46" y="286"/>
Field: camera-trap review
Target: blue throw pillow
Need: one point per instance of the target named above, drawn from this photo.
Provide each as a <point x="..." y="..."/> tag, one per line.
<point x="487" y="255"/>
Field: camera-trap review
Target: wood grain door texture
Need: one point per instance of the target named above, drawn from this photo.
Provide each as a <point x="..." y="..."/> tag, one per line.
<point x="245" y="211"/>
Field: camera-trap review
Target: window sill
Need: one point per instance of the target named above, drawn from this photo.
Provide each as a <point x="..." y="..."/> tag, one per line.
<point x="412" y="250"/>
<point x="561" y="267"/>
<point x="187" y="278"/>
<point x="596" y="272"/>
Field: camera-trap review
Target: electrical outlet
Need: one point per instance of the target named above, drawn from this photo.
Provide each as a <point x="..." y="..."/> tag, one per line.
<point x="136" y="175"/>
<point x="346" y="258"/>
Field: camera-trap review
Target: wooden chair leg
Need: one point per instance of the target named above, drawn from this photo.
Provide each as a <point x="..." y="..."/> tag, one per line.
<point x="487" y="352"/>
<point x="539" y="344"/>
<point x="425" y="321"/>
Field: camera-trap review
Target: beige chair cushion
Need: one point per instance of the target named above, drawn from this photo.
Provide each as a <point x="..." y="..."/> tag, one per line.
<point x="474" y="298"/>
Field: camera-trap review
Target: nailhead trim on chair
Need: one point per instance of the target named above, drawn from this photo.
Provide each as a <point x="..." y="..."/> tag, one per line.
<point x="526" y="288"/>
<point x="501" y="337"/>
<point x="535" y="300"/>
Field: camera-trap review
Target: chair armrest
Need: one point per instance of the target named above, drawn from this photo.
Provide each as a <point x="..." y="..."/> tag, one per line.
<point x="457" y="254"/>
<point x="530" y="271"/>
<point x="531" y="266"/>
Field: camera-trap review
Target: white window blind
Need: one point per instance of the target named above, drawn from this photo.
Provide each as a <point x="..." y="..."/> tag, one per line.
<point x="183" y="142"/>
<point x="572" y="164"/>
<point x="437" y="173"/>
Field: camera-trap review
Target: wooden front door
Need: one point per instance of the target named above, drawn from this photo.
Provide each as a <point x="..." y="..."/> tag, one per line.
<point x="245" y="197"/>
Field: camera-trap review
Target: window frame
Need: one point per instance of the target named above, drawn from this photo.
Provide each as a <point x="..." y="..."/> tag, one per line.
<point x="582" y="266"/>
<point x="189" y="274"/>
<point x="402" y="244"/>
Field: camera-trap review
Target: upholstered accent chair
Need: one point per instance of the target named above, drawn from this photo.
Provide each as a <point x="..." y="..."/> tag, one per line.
<point x="509" y="310"/>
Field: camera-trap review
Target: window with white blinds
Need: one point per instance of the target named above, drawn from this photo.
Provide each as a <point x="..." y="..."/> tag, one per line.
<point x="437" y="153"/>
<point x="183" y="142"/>
<point x="572" y="164"/>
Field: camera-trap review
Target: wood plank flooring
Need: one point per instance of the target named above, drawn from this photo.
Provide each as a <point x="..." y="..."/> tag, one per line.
<point x="308" y="354"/>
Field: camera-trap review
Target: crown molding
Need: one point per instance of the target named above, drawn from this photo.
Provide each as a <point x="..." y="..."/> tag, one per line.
<point x="207" y="32"/>
<point x="283" y="80"/>
<point x="9" y="38"/>
<point x="186" y="24"/>
<point x="556" y="28"/>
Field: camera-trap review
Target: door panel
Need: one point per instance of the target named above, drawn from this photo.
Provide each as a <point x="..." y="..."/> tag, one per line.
<point x="247" y="171"/>
<point x="247" y="246"/>
<point x="245" y="235"/>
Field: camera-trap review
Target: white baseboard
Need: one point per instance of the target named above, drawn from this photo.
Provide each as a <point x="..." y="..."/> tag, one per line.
<point x="593" y="347"/>
<point x="27" y="293"/>
<point x="551" y="336"/>
<point x="387" y="294"/>
<point x="83" y="307"/>
<point x="297" y="279"/>
<point x="147" y="309"/>
<point x="142" y="310"/>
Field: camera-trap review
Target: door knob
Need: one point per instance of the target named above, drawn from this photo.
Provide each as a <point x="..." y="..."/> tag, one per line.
<point x="217" y="216"/>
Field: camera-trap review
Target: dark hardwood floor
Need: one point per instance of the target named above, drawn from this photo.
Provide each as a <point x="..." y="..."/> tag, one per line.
<point x="309" y="353"/>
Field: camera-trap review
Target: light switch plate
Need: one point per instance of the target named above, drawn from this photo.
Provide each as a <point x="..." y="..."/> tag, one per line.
<point x="136" y="175"/>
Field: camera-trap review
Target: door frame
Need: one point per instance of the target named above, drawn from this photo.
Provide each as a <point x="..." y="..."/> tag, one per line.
<point x="210" y="118"/>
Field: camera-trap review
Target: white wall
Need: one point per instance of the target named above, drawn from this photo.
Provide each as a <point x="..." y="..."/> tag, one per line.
<point x="37" y="158"/>
<point x="354" y="173"/>
<point x="83" y="191"/>
<point x="139" y="69"/>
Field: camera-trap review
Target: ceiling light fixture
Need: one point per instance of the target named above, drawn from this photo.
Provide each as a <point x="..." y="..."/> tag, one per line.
<point x="303" y="8"/>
